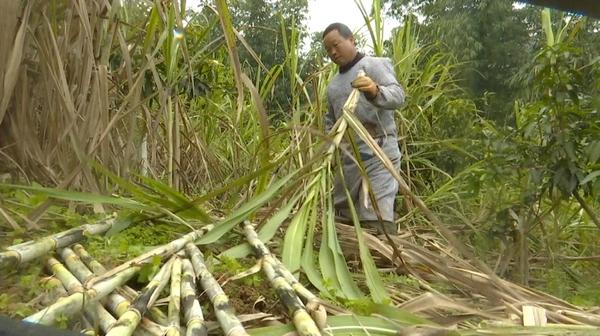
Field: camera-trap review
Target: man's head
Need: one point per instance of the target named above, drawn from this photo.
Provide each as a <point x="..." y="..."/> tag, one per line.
<point x="339" y="43"/>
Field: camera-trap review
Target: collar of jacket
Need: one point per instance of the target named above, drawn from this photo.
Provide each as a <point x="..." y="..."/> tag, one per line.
<point x="349" y="66"/>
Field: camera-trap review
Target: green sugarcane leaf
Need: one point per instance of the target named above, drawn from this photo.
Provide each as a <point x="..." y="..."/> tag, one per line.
<point x="192" y="210"/>
<point x="591" y="176"/>
<point x="294" y="239"/>
<point x="245" y="210"/>
<point x="399" y="315"/>
<point x="153" y="21"/>
<point x="343" y="276"/>
<point x="80" y="196"/>
<point x="237" y="252"/>
<point x="308" y="262"/>
<point x="374" y="282"/>
<point x="134" y="189"/>
<point x="327" y="265"/>
<point x="267" y="231"/>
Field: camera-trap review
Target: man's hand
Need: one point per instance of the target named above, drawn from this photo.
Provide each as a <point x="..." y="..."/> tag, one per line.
<point x="366" y="85"/>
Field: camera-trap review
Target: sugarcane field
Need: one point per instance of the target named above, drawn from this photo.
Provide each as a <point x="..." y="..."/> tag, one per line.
<point x="299" y="167"/>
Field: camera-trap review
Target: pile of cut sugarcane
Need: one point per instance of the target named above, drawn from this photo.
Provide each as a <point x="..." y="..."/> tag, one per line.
<point x="109" y="306"/>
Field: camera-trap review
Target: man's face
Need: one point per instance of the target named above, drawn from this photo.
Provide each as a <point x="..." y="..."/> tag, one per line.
<point x="341" y="50"/>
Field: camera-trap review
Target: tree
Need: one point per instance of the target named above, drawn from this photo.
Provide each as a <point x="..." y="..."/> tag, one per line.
<point x="264" y="24"/>
<point x="488" y="37"/>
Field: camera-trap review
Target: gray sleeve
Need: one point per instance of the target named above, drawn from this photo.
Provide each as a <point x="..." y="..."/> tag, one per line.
<point x="391" y="94"/>
<point x="329" y="117"/>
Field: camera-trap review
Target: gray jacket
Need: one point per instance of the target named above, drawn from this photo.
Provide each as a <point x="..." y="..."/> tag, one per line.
<point x="377" y="115"/>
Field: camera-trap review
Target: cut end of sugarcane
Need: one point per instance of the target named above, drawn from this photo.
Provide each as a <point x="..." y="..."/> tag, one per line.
<point x="318" y="313"/>
<point x="9" y="259"/>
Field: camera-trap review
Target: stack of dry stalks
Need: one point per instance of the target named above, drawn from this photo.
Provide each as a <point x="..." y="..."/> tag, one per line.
<point x="426" y="258"/>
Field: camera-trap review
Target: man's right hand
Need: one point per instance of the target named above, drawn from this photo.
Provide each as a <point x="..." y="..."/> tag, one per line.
<point x="367" y="85"/>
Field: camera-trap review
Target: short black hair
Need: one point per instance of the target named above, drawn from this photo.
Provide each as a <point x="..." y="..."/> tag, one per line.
<point x="341" y="28"/>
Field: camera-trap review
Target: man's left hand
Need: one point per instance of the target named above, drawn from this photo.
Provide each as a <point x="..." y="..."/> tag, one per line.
<point x="367" y="85"/>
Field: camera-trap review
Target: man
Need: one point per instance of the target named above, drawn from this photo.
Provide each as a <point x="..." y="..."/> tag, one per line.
<point x="381" y="95"/>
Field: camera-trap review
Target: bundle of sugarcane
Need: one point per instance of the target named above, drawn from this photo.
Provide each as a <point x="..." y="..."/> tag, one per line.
<point x="117" y="303"/>
<point x="33" y="249"/>
<point x="195" y="325"/>
<point x="224" y="312"/>
<point x="94" y="311"/>
<point x="303" y="322"/>
<point x="100" y="286"/>
<point x="70" y="305"/>
<point x="130" y="319"/>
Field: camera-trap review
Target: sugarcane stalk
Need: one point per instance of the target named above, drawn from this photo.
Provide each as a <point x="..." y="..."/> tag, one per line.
<point x="131" y="318"/>
<point x="161" y="251"/>
<point x="88" y="260"/>
<point x="94" y="311"/>
<point x="70" y="305"/>
<point x="119" y="305"/>
<point x="75" y="265"/>
<point x="130" y="294"/>
<point x="175" y="299"/>
<point x="33" y="249"/>
<point x="313" y="303"/>
<point x="194" y="319"/>
<point x="224" y="312"/>
<point x="305" y="326"/>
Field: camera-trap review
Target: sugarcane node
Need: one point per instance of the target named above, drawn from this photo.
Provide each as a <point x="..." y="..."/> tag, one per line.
<point x="51" y="262"/>
<point x="257" y="250"/>
<point x="222" y="305"/>
<point x="122" y="306"/>
<point x="50" y="281"/>
<point x="90" y="294"/>
<point x="125" y="321"/>
<point x="172" y="331"/>
<point x="304" y="324"/>
<point x="68" y="237"/>
<point x="318" y="313"/>
<point x="70" y="256"/>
